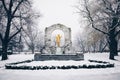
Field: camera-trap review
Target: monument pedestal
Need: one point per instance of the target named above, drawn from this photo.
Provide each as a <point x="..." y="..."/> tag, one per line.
<point x="43" y="57"/>
<point x="58" y="51"/>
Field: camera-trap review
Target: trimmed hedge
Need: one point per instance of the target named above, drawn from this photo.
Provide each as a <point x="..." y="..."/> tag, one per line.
<point x="103" y="65"/>
<point x="104" y="62"/>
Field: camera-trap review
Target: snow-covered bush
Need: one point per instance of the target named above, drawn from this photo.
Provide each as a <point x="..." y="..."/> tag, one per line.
<point x="100" y="64"/>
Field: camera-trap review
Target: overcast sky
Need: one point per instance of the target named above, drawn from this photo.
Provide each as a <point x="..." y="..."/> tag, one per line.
<point x="58" y="11"/>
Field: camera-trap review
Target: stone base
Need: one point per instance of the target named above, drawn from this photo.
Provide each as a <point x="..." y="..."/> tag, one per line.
<point x="58" y="51"/>
<point x="43" y="57"/>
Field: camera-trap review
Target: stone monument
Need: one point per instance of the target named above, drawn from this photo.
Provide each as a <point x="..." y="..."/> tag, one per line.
<point x="58" y="52"/>
<point x="67" y="33"/>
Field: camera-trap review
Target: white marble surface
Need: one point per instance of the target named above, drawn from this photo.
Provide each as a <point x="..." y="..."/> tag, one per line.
<point x="58" y="50"/>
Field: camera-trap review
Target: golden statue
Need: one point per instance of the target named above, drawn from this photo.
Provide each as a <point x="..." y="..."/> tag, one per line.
<point x="58" y="37"/>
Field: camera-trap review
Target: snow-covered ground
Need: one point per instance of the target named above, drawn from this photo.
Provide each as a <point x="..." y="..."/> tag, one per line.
<point x="72" y="74"/>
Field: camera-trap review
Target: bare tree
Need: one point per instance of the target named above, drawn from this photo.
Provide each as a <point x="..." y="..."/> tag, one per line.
<point x="32" y="35"/>
<point x="91" y="39"/>
<point x="104" y="16"/>
<point x="17" y="43"/>
<point x="81" y="43"/>
<point x="13" y="14"/>
<point x="40" y="42"/>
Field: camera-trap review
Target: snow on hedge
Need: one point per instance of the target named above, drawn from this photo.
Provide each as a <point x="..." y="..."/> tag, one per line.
<point x="57" y="63"/>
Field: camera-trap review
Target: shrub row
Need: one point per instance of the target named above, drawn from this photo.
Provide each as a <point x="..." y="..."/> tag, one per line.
<point x="58" y="67"/>
<point x="26" y="61"/>
<point x="13" y="66"/>
<point x="104" y="62"/>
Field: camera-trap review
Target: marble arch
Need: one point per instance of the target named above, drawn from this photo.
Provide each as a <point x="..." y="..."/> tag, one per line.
<point x="67" y="35"/>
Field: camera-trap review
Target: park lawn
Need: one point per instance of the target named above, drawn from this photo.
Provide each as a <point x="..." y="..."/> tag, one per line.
<point x="71" y="74"/>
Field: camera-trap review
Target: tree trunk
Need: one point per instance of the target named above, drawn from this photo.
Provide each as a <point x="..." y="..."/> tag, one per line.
<point x="104" y="47"/>
<point x="112" y="45"/>
<point x="100" y="46"/>
<point x="33" y="51"/>
<point x="115" y="47"/>
<point x="112" y="39"/>
<point x="83" y="47"/>
<point x="94" y="47"/>
<point x="4" y="51"/>
<point x="6" y="41"/>
<point x="33" y="48"/>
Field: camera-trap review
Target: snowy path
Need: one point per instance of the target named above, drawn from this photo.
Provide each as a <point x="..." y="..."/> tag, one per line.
<point x="72" y="74"/>
<point x="59" y="75"/>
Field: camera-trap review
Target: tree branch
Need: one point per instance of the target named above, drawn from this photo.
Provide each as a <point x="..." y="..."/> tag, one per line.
<point x="118" y="23"/>
<point x="15" y="34"/>
<point x="10" y="6"/>
<point x="17" y="7"/>
<point x="98" y="29"/>
<point x="108" y="6"/>
<point x="91" y="20"/>
<point x="15" y="16"/>
<point x="3" y="2"/>
<point x="22" y="34"/>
